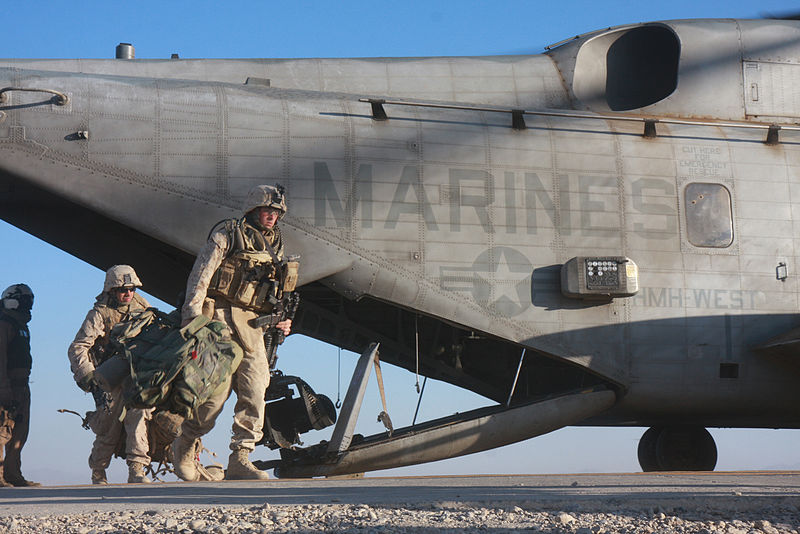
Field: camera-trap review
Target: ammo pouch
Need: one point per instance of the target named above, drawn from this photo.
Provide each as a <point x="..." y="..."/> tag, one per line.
<point x="290" y="272"/>
<point x="248" y="280"/>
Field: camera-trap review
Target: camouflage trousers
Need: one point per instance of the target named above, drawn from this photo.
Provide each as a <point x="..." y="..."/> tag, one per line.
<point x="14" y="436"/>
<point x="108" y="429"/>
<point x="249" y="381"/>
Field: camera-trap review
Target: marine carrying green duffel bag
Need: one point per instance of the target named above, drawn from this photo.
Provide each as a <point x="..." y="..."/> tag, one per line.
<point x="173" y="368"/>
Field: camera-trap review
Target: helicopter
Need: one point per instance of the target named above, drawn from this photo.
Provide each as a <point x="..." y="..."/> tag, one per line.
<point x="600" y="235"/>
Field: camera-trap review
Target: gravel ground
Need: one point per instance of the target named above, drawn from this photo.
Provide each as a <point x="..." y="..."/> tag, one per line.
<point x="736" y="516"/>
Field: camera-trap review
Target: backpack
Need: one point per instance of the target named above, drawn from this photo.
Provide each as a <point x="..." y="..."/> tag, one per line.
<point x="173" y="368"/>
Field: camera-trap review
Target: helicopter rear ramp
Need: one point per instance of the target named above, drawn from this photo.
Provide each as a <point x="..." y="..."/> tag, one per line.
<point x="474" y="431"/>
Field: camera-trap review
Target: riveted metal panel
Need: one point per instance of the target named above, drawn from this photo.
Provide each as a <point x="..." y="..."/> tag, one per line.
<point x="770" y="89"/>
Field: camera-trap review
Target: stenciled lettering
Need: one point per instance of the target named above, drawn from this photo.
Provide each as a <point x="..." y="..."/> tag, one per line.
<point x="325" y="195"/>
<point x="586" y="205"/>
<point x="537" y="200"/>
<point x="409" y="180"/>
<point x="665" y="223"/>
<point x="591" y="205"/>
<point x="677" y="297"/>
<point x="535" y="191"/>
<point x="460" y="178"/>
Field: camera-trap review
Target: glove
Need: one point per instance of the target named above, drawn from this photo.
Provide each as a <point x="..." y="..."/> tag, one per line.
<point x="102" y="400"/>
<point x="87" y="382"/>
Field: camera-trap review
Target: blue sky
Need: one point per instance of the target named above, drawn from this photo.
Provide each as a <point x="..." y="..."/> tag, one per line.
<point x="65" y="286"/>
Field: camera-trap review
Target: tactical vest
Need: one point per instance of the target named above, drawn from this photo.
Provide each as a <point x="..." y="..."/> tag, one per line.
<point x="253" y="275"/>
<point x="19" y="347"/>
<point x="111" y="317"/>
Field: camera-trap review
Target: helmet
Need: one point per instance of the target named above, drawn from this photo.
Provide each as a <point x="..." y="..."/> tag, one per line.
<point x="121" y="276"/>
<point x="270" y="196"/>
<point x="17" y="296"/>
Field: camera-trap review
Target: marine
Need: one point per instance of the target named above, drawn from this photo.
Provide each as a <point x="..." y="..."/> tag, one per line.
<point x="237" y="277"/>
<point x="90" y="349"/>
<point x="15" y="392"/>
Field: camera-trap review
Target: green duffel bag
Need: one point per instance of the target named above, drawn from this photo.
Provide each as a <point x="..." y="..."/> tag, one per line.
<point x="174" y="368"/>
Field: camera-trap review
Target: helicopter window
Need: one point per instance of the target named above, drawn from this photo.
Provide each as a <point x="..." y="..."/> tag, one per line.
<point x="641" y="68"/>
<point x="709" y="218"/>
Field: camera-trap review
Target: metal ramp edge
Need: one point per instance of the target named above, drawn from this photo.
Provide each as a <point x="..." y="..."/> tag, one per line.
<point x="467" y="433"/>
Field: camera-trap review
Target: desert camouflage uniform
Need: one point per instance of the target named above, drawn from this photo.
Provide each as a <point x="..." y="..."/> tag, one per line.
<point x="251" y="379"/>
<point x="92" y="337"/>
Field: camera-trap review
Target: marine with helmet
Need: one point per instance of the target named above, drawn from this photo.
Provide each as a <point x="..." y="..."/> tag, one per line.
<point x="236" y="277"/>
<point x="87" y="351"/>
<point x="15" y="393"/>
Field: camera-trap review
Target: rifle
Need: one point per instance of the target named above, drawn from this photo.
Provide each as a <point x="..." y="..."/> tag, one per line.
<point x="102" y="400"/>
<point x="285" y="309"/>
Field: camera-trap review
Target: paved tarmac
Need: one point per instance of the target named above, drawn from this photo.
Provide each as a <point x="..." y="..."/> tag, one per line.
<point x="591" y="492"/>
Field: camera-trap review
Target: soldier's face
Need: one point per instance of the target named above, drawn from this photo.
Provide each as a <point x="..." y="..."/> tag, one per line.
<point x="124" y="294"/>
<point x="268" y="216"/>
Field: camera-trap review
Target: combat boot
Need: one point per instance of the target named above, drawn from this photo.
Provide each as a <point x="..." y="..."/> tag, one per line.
<point x="184" y="459"/>
<point x="99" y="476"/>
<point x="241" y="468"/>
<point x="3" y="483"/>
<point x="136" y="473"/>
<point x="16" y="479"/>
<point x="20" y="481"/>
<point x="12" y="471"/>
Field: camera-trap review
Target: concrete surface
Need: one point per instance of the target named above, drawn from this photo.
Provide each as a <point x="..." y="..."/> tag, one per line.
<point x="546" y="492"/>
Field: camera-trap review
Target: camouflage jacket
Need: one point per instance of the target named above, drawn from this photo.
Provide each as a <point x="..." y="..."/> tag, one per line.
<point x="218" y="246"/>
<point x="86" y="350"/>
